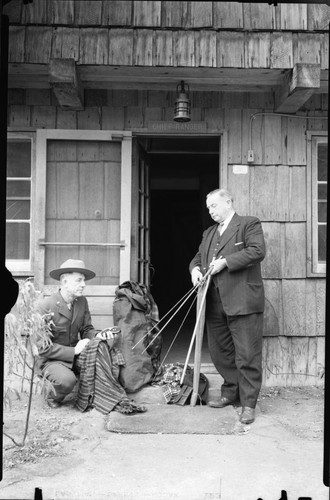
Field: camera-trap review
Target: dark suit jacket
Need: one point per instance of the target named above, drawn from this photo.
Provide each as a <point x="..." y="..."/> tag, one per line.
<point x="67" y="330"/>
<point x="240" y="284"/>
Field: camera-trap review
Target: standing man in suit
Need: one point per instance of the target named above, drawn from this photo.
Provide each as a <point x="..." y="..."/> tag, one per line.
<point x="71" y="327"/>
<point x="233" y="247"/>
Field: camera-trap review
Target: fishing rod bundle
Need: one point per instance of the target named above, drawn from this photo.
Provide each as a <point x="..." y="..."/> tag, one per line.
<point x="201" y="288"/>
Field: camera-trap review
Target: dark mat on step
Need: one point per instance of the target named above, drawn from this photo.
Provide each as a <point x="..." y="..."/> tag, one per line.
<point x="175" y="419"/>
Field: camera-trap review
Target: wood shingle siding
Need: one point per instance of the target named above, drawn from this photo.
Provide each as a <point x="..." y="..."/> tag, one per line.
<point x="243" y="62"/>
<point x="294" y="308"/>
<point x="169" y="14"/>
<point x="185" y="48"/>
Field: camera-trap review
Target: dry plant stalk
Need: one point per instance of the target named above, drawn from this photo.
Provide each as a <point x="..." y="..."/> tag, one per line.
<point x="27" y="332"/>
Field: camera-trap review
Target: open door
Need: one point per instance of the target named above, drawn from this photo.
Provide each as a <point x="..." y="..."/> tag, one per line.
<point x="144" y="264"/>
<point x="83" y="193"/>
<point x="176" y="173"/>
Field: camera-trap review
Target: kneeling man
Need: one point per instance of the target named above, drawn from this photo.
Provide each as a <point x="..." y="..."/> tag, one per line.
<point x="71" y="328"/>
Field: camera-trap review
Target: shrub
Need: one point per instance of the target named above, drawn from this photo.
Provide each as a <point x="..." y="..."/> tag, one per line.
<point x="26" y="333"/>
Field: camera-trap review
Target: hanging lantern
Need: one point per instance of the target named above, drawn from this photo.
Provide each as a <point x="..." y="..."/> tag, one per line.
<point x="182" y="104"/>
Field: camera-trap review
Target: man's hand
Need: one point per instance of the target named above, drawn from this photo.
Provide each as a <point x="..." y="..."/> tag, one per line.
<point x="109" y="334"/>
<point x="80" y="346"/>
<point x="218" y="265"/>
<point x="196" y="276"/>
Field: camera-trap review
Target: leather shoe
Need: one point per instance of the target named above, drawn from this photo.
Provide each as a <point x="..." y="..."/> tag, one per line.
<point x="53" y="404"/>
<point x="222" y="402"/>
<point x="247" y="415"/>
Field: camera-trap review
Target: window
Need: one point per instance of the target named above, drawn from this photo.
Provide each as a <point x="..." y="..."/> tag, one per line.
<point x="318" y="166"/>
<point x="19" y="202"/>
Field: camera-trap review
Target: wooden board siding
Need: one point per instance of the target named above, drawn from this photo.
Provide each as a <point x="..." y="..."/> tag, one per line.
<point x="275" y="181"/>
<point x="278" y="140"/>
<point x="236" y="35"/>
<point x="88" y="12"/>
<point x="61" y="12"/>
<point x="295" y="305"/>
<point x="164" y="48"/>
<point x="230" y="49"/>
<point x="169" y="14"/>
<point x="292" y="361"/>
<point x="34" y="44"/>
<point x="94" y="46"/>
<point x="259" y="16"/>
<point x="117" y="13"/>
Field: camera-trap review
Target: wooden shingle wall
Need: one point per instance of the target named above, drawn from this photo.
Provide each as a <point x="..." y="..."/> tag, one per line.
<point x="190" y="34"/>
<point x="204" y="35"/>
<point x="170" y="14"/>
<point x="274" y="189"/>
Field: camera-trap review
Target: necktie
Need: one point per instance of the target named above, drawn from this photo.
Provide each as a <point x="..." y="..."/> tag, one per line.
<point x="221" y="228"/>
<point x="69" y="304"/>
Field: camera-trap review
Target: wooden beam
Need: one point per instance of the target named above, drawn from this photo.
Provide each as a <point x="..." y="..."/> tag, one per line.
<point x="65" y="82"/>
<point x="36" y="76"/>
<point x="299" y="85"/>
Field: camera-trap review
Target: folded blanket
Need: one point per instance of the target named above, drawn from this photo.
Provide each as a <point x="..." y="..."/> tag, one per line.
<point x="98" y="381"/>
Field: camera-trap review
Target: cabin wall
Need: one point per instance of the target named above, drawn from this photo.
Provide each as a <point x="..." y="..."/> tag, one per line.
<point x="169" y="14"/>
<point x="201" y="41"/>
<point x="274" y="188"/>
<point x="171" y="34"/>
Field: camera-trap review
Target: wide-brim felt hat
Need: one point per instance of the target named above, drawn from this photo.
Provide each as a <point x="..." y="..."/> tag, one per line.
<point x="72" y="266"/>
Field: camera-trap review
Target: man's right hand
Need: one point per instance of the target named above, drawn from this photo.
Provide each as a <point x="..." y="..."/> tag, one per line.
<point x="80" y="346"/>
<point x="196" y="276"/>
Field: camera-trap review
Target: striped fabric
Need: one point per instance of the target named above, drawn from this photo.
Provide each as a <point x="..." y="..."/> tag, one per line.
<point x="98" y="381"/>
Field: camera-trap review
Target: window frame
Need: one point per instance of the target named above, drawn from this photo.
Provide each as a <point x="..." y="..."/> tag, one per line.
<point x="314" y="267"/>
<point x="24" y="267"/>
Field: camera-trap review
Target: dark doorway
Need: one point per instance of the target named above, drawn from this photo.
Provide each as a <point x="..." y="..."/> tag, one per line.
<point x="182" y="172"/>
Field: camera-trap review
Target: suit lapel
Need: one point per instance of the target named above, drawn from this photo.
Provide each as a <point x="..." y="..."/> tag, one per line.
<point x="229" y="232"/>
<point x="75" y="309"/>
<point x="62" y="307"/>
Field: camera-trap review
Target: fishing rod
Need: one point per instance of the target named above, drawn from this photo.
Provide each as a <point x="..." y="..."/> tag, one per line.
<point x="186" y="295"/>
<point x="205" y="282"/>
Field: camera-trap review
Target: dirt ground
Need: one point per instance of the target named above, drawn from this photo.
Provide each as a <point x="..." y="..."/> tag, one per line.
<point x="67" y="450"/>
<point x="298" y="409"/>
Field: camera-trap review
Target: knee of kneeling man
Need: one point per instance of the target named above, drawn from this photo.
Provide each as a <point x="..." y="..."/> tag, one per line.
<point x="68" y="382"/>
<point x="65" y="379"/>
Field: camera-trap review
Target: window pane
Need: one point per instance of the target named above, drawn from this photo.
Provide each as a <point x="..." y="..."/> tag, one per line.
<point x="18" y="189"/>
<point x="322" y="238"/>
<point x="322" y="162"/>
<point x="17" y="240"/>
<point x="322" y="215"/>
<point x="322" y="190"/>
<point x="18" y="209"/>
<point x="19" y="158"/>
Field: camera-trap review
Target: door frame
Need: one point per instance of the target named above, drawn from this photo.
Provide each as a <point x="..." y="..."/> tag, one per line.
<point x="42" y="136"/>
<point x="223" y="172"/>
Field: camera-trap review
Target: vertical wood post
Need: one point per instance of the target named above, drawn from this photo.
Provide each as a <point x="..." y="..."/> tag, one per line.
<point x="326" y="420"/>
<point x="4" y="31"/>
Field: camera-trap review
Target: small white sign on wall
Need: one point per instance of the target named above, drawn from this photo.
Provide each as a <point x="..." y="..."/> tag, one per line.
<point x="240" y="169"/>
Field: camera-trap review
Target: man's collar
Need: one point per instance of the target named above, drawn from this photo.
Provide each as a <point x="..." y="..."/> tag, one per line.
<point x="227" y="219"/>
<point x="67" y="301"/>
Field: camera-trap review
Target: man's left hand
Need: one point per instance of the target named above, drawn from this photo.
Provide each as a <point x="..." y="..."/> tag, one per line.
<point x="218" y="265"/>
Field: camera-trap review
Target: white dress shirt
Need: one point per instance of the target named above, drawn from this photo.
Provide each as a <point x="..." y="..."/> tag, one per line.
<point x="223" y="225"/>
